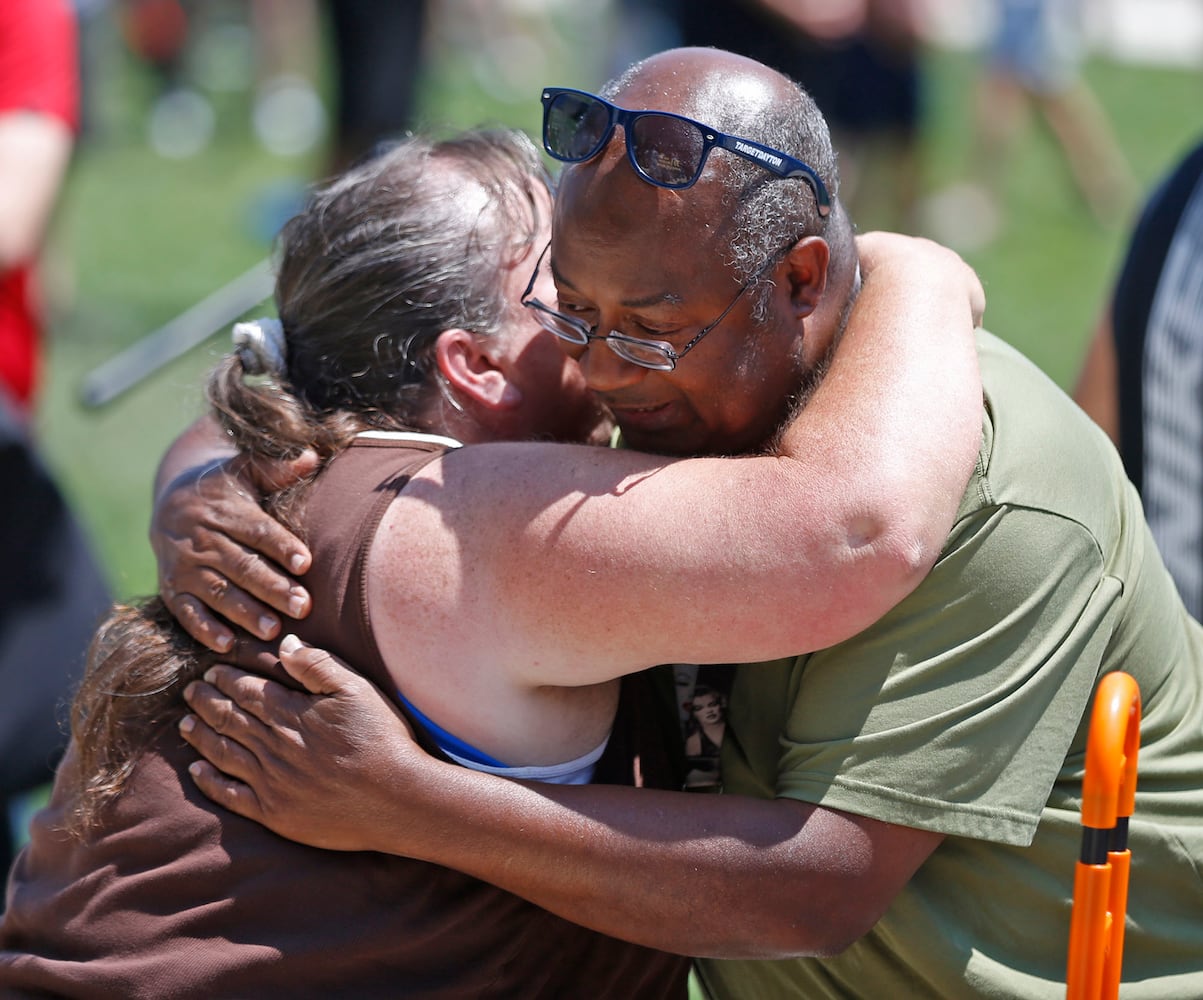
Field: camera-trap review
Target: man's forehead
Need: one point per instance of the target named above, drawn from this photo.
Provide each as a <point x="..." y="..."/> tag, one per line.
<point x="649" y="240"/>
<point x="604" y="195"/>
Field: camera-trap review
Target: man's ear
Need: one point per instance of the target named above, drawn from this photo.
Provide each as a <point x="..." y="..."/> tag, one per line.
<point x="472" y="371"/>
<point x="807" y="274"/>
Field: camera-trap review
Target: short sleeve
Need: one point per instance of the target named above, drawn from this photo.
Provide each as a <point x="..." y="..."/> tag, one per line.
<point x="954" y="713"/>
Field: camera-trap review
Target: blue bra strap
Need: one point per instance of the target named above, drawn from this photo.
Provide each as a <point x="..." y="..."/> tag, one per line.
<point x="448" y="742"/>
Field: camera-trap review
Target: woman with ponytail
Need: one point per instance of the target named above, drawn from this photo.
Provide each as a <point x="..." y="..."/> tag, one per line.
<point x="399" y="337"/>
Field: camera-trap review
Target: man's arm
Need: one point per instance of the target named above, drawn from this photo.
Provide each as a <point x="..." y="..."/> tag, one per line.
<point x="662" y="869"/>
<point x="218" y="553"/>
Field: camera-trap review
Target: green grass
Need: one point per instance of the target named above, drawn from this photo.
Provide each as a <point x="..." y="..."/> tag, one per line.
<point x="140" y="239"/>
<point x="1050" y="270"/>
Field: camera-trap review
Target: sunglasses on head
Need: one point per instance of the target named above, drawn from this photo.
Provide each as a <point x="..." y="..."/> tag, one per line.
<point x="664" y="149"/>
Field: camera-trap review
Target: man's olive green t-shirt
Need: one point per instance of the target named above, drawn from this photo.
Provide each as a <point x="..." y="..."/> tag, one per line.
<point x="964" y="711"/>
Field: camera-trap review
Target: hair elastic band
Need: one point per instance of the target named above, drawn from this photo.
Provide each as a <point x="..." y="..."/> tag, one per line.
<point x="260" y="345"/>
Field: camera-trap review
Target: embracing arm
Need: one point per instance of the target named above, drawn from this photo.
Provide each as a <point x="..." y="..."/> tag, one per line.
<point x="649" y="866"/>
<point x="745" y="558"/>
<point x="218" y="553"/>
<point x="843" y="522"/>
<point x="200" y="446"/>
<point x="642" y="865"/>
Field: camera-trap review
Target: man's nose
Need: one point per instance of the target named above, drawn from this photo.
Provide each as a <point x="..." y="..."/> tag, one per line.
<point x="605" y="371"/>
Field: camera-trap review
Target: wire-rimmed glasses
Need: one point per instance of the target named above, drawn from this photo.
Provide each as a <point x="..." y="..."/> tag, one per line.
<point x="656" y="354"/>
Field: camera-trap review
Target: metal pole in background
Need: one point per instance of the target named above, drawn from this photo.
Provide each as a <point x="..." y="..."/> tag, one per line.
<point x="194" y="326"/>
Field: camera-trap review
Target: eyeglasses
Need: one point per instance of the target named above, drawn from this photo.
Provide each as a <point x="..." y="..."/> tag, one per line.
<point x="665" y="149"/>
<point x="655" y="354"/>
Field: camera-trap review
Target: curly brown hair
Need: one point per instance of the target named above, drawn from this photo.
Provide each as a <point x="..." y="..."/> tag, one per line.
<point x="138" y="662"/>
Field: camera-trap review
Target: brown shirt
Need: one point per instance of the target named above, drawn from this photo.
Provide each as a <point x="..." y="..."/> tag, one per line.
<point x="177" y="898"/>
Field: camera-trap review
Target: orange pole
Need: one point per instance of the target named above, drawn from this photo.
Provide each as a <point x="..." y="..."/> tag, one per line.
<point x="1088" y="932"/>
<point x="1117" y="904"/>
<point x="1096" y="931"/>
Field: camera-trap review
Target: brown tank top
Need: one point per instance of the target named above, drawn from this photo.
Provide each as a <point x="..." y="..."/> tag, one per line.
<point x="177" y="898"/>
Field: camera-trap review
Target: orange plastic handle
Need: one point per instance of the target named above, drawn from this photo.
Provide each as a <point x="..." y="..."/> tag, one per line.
<point x="1109" y="785"/>
<point x="1096" y="932"/>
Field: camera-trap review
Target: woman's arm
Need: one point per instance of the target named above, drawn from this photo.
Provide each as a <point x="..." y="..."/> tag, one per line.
<point x="601" y="562"/>
<point x="843" y="522"/>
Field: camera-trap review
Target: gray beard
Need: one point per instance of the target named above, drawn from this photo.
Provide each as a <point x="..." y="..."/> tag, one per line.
<point x="813" y="376"/>
<point x="811" y="379"/>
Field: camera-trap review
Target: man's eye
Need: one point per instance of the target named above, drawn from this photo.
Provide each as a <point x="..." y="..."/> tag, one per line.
<point x="655" y="332"/>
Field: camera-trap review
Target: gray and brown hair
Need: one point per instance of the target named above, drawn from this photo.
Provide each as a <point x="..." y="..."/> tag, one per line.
<point x="378" y="263"/>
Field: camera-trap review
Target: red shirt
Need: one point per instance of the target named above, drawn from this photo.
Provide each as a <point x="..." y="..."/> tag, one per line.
<point x="39" y="72"/>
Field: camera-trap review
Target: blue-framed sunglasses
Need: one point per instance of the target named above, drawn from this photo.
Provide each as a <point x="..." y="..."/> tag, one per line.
<point x="665" y="149"/>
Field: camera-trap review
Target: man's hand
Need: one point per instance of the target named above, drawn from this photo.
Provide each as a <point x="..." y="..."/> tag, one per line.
<point x="220" y="556"/>
<point x="318" y="766"/>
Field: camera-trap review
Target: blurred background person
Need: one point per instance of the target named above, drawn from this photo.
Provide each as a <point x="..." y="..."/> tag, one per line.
<point x="287" y="114"/>
<point x="1032" y="65"/>
<point x="379" y="48"/>
<point x="39" y="102"/>
<point x="51" y="591"/>
<point x="859" y="59"/>
<point x="181" y="119"/>
<point x="1142" y="380"/>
